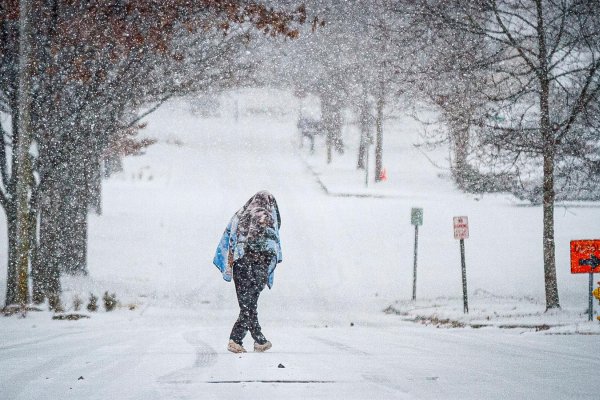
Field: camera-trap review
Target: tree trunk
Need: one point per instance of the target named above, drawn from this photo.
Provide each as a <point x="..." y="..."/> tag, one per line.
<point x="459" y="137"/>
<point x="549" y="151"/>
<point x="79" y="239"/>
<point x="38" y="278"/>
<point x="326" y="119"/>
<point x="329" y="150"/>
<point x="95" y="183"/>
<point x="362" y="152"/>
<point x="11" y="278"/>
<point x="46" y="278"/>
<point x="550" y="283"/>
<point x="365" y="137"/>
<point x="379" y="137"/>
<point x="72" y="218"/>
<point x="338" y="140"/>
<point x="332" y="124"/>
<point x="21" y="145"/>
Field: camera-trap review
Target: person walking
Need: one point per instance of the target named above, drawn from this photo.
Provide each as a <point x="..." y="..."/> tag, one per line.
<point x="248" y="252"/>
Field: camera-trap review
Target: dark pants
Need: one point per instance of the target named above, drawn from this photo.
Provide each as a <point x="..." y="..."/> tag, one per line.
<point x="250" y="277"/>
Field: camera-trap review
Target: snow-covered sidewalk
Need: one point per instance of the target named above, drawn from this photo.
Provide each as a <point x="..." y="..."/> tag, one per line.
<point x="503" y="253"/>
<point x="521" y="314"/>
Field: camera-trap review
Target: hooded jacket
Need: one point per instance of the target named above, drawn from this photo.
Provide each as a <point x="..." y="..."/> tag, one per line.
<point x="255" y="226"/>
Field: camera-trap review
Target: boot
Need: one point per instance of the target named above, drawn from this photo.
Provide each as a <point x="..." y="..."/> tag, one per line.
<point x="262" y="347"/>
<point x="235" y="348"/>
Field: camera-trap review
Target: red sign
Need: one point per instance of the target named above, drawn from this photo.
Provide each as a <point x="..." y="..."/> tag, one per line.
<point x="461" y="228"/>
<point x="585" y="256"/>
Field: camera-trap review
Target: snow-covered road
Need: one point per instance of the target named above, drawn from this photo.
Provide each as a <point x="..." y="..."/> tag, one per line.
<point x="171" y="354"/>
<point x="154" y="244"/>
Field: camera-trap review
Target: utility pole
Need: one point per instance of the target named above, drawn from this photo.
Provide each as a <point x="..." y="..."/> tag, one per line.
<point x="22" y="167"/>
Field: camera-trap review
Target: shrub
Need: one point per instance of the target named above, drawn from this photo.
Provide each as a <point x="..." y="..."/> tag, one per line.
<point x="110" y="301"/>
<point x="54" y="303"/>
<point x="93" y="303"/>
<point x="77" y="303"/>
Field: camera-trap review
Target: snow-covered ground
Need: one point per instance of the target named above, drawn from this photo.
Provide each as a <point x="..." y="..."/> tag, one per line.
<point x="346" y="260"/>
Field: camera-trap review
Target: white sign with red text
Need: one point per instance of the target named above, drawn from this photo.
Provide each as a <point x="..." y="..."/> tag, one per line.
<point x="461" y="228"/>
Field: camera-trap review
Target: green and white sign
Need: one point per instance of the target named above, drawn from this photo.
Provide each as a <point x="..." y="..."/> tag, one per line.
<point x="416" y="216"/>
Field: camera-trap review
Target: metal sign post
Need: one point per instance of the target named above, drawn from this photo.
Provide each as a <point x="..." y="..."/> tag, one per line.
<point x="461" y="232"/>
<point x="416" y="219"/>
<point x="596" y="294"/>
<point x="585" y="259"/>
<point x="591" y="301"/>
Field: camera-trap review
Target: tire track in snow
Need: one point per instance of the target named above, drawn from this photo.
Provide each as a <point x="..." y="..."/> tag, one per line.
<point x="388" y="383"/>
<point x="340" y="346"/>
<point x="206" y="356"/>
<point x="379" y="380"/>
<point x="19" y="345"/>
<point x="53" y="366"/>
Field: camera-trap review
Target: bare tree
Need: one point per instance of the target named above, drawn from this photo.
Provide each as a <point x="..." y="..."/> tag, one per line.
<point x="540" y="61"/>
<point x="93" y="65"/>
